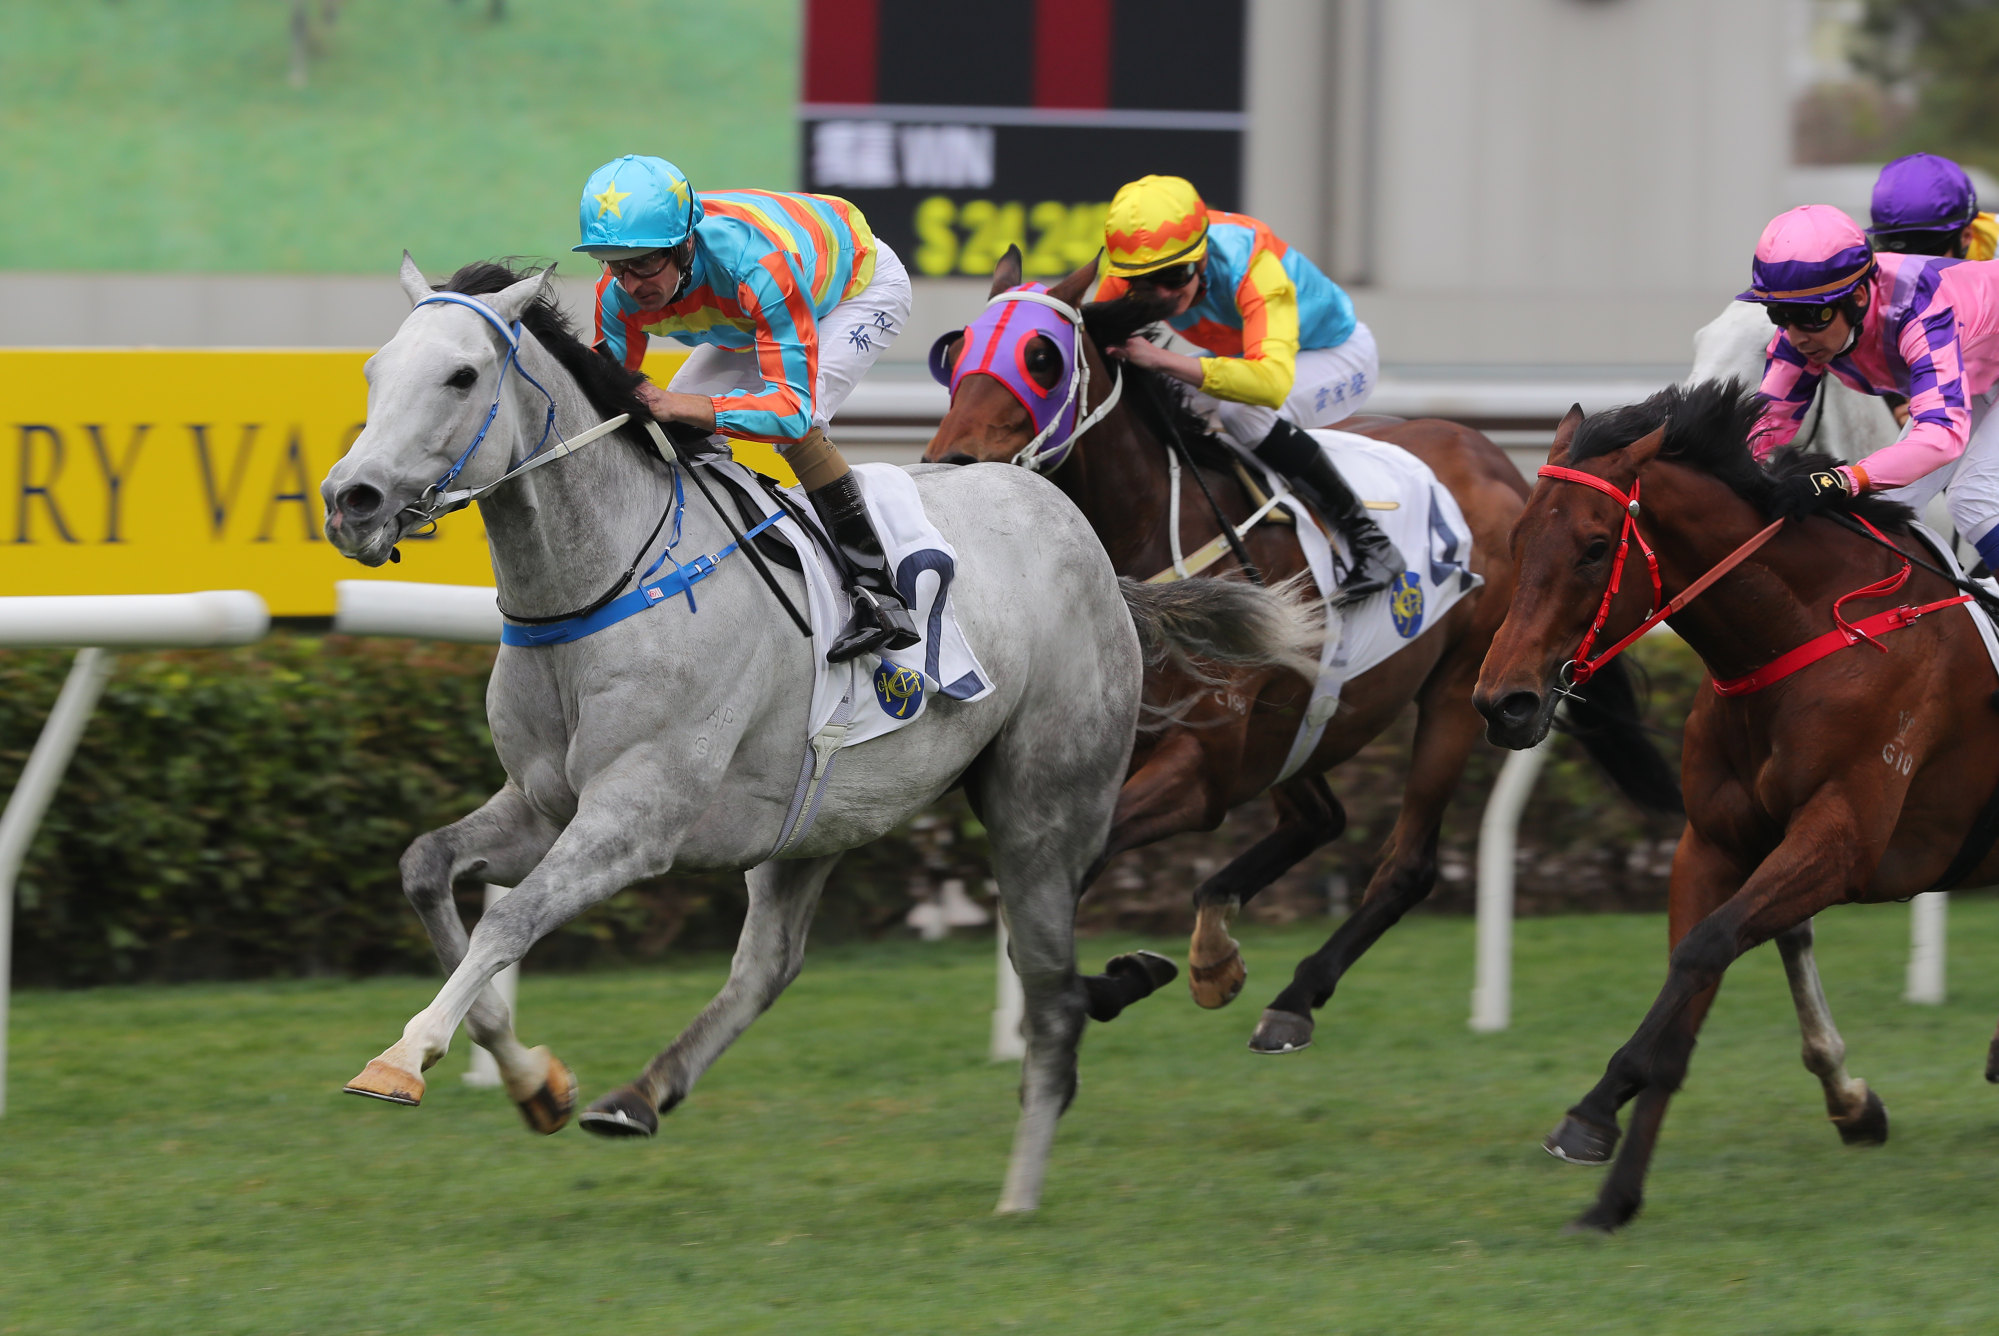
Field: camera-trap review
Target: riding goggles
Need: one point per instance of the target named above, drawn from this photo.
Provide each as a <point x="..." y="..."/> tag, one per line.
<point x="1170" y="279"/>
<point x="642" y="266"/>
<point x="1810" y="317"/>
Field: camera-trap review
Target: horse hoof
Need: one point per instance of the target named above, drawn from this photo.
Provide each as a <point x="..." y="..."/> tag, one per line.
<point x="622" y="1113"/>
<point x="547" y="1110"/>
<point x="1869" y="1127"/>
<point x="381" y="1080"/>
<point x="1992" y="1061"/>
<point x="1281" y="1032"/>
<point x="1157" y="969"/>
<point x="1579" y="1142"/>
<point x="1590" y="1224"/>
<point x="1218" y="984"/>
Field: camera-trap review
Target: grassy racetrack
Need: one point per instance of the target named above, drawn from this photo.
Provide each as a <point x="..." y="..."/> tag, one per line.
<point x="164" y="135"/>
<point x="177" y="1159"/>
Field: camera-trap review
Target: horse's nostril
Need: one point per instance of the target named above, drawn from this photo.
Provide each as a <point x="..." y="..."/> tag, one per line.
<point x="1516" y="708"/>
<point x="358" y="500"/>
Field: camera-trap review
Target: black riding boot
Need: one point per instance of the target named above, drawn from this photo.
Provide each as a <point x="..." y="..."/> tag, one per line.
<point x="880" y="620"/>
<point x="1298" y="457"/>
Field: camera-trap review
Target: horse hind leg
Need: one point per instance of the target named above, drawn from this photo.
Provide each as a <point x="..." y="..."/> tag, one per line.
<point x="500" y="842"/>
<point x="1856" y="1111"/>
<point x="1308" y="817"/>
<point x="769" y="954"/>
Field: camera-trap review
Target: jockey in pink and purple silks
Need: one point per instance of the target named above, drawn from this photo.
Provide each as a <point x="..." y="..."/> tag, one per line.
<point x="1923" y="327"/>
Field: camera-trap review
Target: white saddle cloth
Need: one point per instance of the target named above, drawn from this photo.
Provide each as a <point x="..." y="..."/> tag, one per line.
<point x="1943" y="556"/>
<point x="1422" y="519"/>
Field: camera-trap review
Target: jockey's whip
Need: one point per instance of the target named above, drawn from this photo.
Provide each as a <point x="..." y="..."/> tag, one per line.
<point x="1971" y="587"/>
<point x="743" y="545"/>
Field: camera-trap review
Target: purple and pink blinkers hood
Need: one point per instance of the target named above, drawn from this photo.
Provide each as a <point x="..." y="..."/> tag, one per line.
<point x="996" y="346"/>
<point x="1810" y="254"/>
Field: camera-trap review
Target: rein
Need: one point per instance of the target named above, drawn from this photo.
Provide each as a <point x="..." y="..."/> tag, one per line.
<point x="1843" y="635"/>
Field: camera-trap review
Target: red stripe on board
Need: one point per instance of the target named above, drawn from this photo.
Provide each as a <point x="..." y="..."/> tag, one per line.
<point x="1072" y="53"/>
<point x="841" y="42"/>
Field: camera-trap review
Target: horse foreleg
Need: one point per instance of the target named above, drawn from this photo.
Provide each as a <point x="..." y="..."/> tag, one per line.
<point x="769" y="954"/>
<point x="1308" y="816"/>
<point x="501" y="843"/>
<point x="1446" y="728"/>
<point x="595" y="857"/>
<point x="1819" y="862"/>
<point x="1855" y="1110"/>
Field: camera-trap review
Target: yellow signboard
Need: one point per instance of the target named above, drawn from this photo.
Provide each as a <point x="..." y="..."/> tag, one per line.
<point x="168" y="471"/>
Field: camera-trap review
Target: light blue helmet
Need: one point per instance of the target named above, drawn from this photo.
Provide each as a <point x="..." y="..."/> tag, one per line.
<point x="633" y="204"/>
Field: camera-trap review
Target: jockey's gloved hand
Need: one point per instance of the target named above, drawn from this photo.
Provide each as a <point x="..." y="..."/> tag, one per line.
<point x="1808" y="493"/>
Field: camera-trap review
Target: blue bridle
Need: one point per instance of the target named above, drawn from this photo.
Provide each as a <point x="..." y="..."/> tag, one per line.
<point x="446" y="502"/>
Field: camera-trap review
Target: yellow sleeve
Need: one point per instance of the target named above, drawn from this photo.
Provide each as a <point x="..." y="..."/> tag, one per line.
<point x="1984" y="237"/>
<point x="1268" y="366"/>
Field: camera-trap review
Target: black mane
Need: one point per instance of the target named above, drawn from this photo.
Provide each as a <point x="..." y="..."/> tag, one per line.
<point x="1709" y="427"/>
<point x="1159" y="400"/>
<point x="610" y="388"/>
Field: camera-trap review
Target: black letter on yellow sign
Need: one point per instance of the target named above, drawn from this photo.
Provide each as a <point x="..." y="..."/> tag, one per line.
<point x="114" y="479"/>
<point x="218" y="505"/>
<point x="303" y="495"/>
<point x="30" y="489"/>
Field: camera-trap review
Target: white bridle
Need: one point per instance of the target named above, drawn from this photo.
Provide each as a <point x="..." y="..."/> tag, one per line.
<point x="1037" y="455"/>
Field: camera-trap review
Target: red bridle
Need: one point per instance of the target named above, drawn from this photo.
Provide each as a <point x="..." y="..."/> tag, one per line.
<point x="1582" y="667"/>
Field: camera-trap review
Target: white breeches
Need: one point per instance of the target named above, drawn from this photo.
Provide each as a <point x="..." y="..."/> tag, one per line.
<point x="1971" y="483"/>
<point x="851" y="336"/>
<point x="1332" y="383"/>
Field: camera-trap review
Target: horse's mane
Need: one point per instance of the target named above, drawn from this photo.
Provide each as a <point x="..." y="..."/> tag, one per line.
<point x="610" y="388"/>
<point x="1709" y="427"/>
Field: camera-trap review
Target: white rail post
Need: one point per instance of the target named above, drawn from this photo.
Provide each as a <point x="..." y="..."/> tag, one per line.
<point x="1009" y="1006"/>
<point x="485" y="1072"/>
<point x="1498" y="838"/>
<point x="1927" y="915"/>
<point x="30" y="800"/>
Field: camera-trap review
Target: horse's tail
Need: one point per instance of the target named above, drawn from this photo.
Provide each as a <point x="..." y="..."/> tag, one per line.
<point x="1189" y="623"/>
<point x="1604" y="715"/>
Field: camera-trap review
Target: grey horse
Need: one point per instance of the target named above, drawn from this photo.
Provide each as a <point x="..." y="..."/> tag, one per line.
<point x="674" y="739"/>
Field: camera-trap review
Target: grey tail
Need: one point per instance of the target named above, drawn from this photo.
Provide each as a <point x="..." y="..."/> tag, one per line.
<point x="1190" y="624"/>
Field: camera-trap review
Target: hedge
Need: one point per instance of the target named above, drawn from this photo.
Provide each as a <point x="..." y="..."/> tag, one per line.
<point x="239" y="814"/>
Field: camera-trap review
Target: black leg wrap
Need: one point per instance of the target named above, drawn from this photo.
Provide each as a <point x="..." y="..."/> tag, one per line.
<point x="880" y="618"/>
<point x="1298" y="457"/>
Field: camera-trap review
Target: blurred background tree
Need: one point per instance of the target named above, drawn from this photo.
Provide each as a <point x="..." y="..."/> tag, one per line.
<point x="1942" y="58"/>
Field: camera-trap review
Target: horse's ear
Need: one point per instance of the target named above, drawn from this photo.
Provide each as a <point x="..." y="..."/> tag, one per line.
<point x="1565" y="432"/>
<point x="415" y="287"/>
<point x="1006" y="274"/>
<point x="1641" y="451"/>
<point x="1073" y="288"/>
<point x="515" y="298"/>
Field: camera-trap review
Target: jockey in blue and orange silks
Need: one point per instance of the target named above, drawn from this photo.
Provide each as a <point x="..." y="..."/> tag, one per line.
<point x="789" y="300"/>
<point x="1923" y="327"/>
<point x="1285" y="351"/>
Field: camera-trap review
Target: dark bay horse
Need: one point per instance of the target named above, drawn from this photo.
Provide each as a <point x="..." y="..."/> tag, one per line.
<point x="1856" y="777"/>
<point x="1230" y="745"/>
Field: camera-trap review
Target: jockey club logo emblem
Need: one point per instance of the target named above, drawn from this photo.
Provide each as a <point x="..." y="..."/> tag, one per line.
<point x="1405" y="604"/>
<point x="899" y="689"/>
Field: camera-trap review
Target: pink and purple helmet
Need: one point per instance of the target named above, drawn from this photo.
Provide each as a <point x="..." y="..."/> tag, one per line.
<point x="1922" y="193"/>
<point x="1813" y="254"/>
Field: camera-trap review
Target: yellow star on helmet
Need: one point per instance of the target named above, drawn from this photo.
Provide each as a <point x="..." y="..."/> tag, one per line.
<point x="607" y="202"/>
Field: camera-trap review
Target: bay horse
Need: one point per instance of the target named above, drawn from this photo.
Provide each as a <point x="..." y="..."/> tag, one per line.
<point x="1810" y="781"/>
<point x="1231" y="745"/>
<point x="674" y="737"/>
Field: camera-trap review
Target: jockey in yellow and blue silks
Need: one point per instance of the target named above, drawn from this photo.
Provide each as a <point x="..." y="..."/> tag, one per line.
<point x="788" y="299"/>
<point x="1286" y="352"/>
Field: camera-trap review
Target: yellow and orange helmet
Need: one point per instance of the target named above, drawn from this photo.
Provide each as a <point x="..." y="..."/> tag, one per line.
<point x="1154" y="222"/>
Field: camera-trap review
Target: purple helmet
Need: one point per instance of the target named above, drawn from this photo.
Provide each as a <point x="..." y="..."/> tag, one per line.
<point x="1814" y="254"/>
<point x="1922" y="193"/>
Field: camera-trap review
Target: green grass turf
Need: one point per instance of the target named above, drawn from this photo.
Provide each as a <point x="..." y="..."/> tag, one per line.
<point x="178" y="1159"/>
<point x="164" y="135"/>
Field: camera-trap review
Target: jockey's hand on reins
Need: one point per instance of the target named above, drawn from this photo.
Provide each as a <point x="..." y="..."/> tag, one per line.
<point x="1808" y="493"/>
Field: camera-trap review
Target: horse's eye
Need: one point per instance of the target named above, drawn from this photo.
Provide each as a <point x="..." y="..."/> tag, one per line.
<point x="464" y="378"/>
<point x="1594" y="552"/>
<point x="1043" y="361"/>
